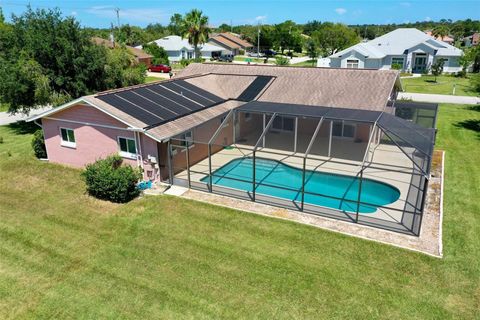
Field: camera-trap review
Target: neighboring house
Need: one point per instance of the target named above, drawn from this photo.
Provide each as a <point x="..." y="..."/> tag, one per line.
<point x="446" y="39"/>
<point x="339" y="124"/>
<point x="410" y="48"/>
<point x="178" y="49"/>
<point x="231" y="43"/>
<point x="140" y="55"/>
<point x="472" y="40"/>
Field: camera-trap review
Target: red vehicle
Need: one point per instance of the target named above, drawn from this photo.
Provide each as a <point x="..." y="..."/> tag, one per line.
<point x="162" y="68"/>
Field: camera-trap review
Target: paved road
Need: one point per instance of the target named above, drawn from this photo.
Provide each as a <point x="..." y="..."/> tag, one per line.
<point x="6" y="118"/>
<point x="438" y="98"/>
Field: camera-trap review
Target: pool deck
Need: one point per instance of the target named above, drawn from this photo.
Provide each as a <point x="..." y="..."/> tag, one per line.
<point x="428" y="242"/>
<point x="398" y="173"/>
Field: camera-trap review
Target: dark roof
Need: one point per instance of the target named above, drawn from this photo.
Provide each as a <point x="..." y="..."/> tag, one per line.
<point x="162" y="102"/>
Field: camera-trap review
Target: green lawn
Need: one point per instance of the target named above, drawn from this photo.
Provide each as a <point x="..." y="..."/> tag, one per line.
<point x="66" y="255"/>
<point x="309" y="63"/>
<point x="444" y="85"/>
<point x="152" y="79"/>
<point x="3" y="107"/>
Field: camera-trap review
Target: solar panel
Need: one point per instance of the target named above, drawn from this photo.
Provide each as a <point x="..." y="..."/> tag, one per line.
<point x="199" y="91"/>
<point x="159" y="103"/>
<point x="254" y="88"/>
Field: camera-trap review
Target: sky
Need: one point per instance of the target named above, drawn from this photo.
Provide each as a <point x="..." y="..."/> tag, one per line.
<point x="101" y="13"/>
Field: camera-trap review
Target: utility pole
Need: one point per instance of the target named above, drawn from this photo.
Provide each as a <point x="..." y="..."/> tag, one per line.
<point x="117" y="10"/>
<point x="258" y="41"/>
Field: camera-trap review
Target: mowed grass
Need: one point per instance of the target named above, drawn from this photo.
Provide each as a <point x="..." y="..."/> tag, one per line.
<point x="444" y="85"/>
<point x="66" y="255"/>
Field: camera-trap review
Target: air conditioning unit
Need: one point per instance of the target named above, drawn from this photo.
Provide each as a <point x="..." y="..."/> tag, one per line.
<point x="152" y="159"/>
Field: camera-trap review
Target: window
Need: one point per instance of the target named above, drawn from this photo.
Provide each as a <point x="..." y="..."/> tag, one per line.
<point x="187" y="136"/>
<point x="397" y="61"/>
<point x="343" y="129"/>
<point x="128" y="147"/>
<point x="68" y="137"/>
<point x="283" y="123"/>
<point x="352" y="64"/>
<point x="247" y="116"/>
<point x="445" y="61"/>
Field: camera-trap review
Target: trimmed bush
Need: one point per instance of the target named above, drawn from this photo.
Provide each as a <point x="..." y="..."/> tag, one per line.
<point x="108" y="179"/>
<point x="38" y="144"/>
<point x="282" y="61"/>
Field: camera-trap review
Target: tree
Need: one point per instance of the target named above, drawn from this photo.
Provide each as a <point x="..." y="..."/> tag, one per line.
<point x="312" y="50"/>
<point x="334" y="37"/>
<point x="195" y="29"/>
<point x="224" y="28"/>
<point x="287" y="35"/>
<point x="175" y="26"/>
<point x="48" y="59"/>
<point x="159" y="54"/>
<point x="311" y="26"/>
<point x="121" y="69"/>
<point x="130" y="35"/>
<point x="440" y="32"/>
<point x="471" y="58"/>
<point x="437" y="68"/>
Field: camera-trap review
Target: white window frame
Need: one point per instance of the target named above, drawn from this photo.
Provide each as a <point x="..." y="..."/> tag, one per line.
<point x="68" y="144"/>
<point x="397" y="58"/>
<point x="343" y="129"/>
<point x="352" y="62"/>
<point x="125" y="154"/>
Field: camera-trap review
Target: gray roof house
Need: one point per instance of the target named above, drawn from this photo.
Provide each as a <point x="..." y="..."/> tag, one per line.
<point x="411" y="48"/>
<point x="178" y="48"/>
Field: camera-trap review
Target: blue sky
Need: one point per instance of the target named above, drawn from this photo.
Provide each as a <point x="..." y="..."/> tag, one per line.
<point x="100" y="13"/>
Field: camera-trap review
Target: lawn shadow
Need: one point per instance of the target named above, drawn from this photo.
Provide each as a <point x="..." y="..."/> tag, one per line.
<point x="22" y="127"/>
<point x="471" y="124"/>
<point x="475" y="108"/>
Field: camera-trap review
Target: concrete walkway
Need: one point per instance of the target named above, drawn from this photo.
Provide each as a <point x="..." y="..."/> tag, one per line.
<point x="6" y="118"/>
<point x="438" y="98"/>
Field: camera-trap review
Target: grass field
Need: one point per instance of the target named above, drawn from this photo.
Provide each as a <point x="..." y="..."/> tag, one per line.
<point x="66" y="255"/>
<point x="444" y="85"/>
<point x="309" y="63"/>
<point x="152" y="79"/>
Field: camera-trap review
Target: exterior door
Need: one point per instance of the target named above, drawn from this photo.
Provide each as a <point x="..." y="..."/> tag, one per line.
<point x="420" y="64"/>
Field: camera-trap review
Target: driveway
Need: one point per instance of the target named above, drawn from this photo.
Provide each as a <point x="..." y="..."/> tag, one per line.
<point x="438" y="98"/>
<point x="6" y="118"/>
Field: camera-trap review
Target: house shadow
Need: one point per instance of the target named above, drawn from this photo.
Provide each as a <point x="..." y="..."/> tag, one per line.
<point x="22" y="127"/>
<point x="470" y="124"/>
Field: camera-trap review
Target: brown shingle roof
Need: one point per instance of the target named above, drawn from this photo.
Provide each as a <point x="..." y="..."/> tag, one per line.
<point x="177" y="126"/>
<point x="107" y="43"/>
<point x="330" y="87"/>
<point x="236" y="39"/>
<point x="225" y="42"/>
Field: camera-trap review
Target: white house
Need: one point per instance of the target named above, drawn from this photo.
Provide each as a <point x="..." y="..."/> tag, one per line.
<point x="178" y="48"/>
<point x="411" y="48"/>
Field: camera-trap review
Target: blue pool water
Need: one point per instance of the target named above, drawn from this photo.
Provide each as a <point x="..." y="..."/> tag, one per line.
<point x="271" y="173"/>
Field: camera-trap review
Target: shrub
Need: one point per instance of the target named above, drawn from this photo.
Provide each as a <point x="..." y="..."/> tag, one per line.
<point x="108" y="179"/>
<point x="397" y="66"/>
<point x="38" y="144"/>
<point x="475" y="81"/>
<point x="281" y="61"/>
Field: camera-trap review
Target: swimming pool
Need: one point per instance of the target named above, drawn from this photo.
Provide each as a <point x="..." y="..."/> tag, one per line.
<point x="337" y="191"/>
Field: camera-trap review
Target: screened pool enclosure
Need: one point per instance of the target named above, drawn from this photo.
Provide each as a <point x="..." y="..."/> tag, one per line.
<point x="360" y="166"/>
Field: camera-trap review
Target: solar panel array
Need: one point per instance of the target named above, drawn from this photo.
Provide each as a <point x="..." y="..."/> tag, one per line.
<point x="159" y="103"/>
<point x="252" y="91"/>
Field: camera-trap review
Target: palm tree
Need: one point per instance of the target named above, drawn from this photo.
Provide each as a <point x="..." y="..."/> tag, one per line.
<point x="195" y="29"/>
<point x="440" y="32"/>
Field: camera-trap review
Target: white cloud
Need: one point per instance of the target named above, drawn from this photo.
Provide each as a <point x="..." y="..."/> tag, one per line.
<point x="341" y="10"/>
<point x="73" y="13"/>
<point x="406" y="4"/>
<point x="261" y="18"/>
<point x="428" y="19"/>
<point x="129" y="15"/>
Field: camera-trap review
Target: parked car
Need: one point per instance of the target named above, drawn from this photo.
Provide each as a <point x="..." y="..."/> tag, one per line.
<point x="269" y="52"/>
<point x="225" y="58"/>
<point x="255" y="55"/>
<point x="162" y="68"/>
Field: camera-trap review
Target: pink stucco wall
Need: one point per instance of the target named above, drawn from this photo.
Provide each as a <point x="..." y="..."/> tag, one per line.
<point x="93" y="142"/>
